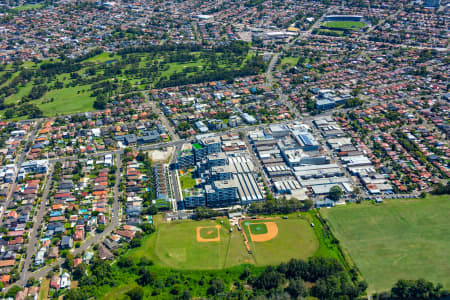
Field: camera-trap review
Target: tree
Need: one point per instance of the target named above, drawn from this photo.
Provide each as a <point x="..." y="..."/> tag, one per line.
<point x="356" y="191"/>
<point x="100" y="102"/>
<point x="268" y="280"/>
<point x="362" y="286"/>
<point x="125" y="262"/>
<point x="68" y="263"/>
<point x="141" y="156"/>
<point x="186" y="295"/>
<point x="136" y="293"/>
<point x="183" y="126"/>
<point x="152" y="210"/>
<point x="415" y="289"/>
<point x="9" y="113"/>
<point x="144" y="261"/>
<point x="307" y="204"/>
<point x="216" y="286"/>
<point x="335" y="193"/>
<point x="148" y="228"/>
<point x="100" y="228"/>
<point x="146" y="277"/>
<point x="245" y="274"/>
<point x="13" y="291"/>
<point x="31" y="281"/>
<point x="296" y="288"/>
<point x="440" y="189"/>
<point x="76" y="294"/>
<point x="79" y="271"/>
<point x="353" y="102"/>
<point x="135" y="243"/>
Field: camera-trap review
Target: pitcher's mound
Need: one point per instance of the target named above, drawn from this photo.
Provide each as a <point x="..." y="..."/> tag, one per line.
<point x="208" y="234"/>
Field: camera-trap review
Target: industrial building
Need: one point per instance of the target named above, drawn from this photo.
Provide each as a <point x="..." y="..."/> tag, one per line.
<point x="290" y="188"/>
<point x="244" y="173"/>
<point x="295" y="158"/>
<point x="318" y="171"/>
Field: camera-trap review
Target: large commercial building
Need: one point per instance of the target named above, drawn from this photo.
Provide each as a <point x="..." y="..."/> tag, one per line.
<point x="226" y="178"/>
<point x="244" y="173"/>
<point x="221" y="193"/>
<point x="185" y="159"/>
<point x="194" y="198"/>
<point x="296" y="158"/>
<point x="306" y="141"/>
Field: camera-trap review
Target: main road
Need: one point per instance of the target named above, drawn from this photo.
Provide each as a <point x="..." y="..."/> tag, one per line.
<point x="162" y="117"/>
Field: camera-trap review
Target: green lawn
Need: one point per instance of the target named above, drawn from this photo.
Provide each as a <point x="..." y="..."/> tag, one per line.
<point x="237" y="254"/>
<point x="209" y="232"/>
<point x="103" y="57"/>
<point x="289" y="61"/>
<point x="295" y="239"/>
<point x="399" y="239"/>
<point x="68" y="100"/>
<point x="175" y="245"/>
<point x="344" y="25"/>
<point x="178" y="67"/>
<point x="162" y="203"/>
<point x="43" y="291"/>
<point x="330" y="32"/>
<point x="119" y="293"/>
<point x="258" y="228"/>
<point x="27" y="7"/>
<point x="23" y="91"/>
<point x="187" y="182"/>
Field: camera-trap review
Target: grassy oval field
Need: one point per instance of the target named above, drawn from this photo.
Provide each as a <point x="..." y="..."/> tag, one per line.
<point x="399" y="239"/>
<point x="176" y="244"/>
<point x="344" y="25"/>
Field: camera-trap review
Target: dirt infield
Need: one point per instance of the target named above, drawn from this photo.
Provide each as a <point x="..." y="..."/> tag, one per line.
<point x="203" y="240"/>
<point x="272" y="232"/>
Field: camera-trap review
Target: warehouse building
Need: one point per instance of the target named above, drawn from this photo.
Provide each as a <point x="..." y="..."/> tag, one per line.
<point x="244" y="173"/>
<point x="290" y="189"/>
<point x="295" y="158"/>
<point x="318" y="171"/>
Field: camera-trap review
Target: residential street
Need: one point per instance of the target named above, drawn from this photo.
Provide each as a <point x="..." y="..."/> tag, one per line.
<point x="34" y="234"/>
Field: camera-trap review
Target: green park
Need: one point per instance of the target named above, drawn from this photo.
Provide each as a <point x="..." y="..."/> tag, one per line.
<point x="67" y="86"/>
<point x="398" y="239"/>
<point x="177" y="244"/>
<point x="349" y="25"/>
